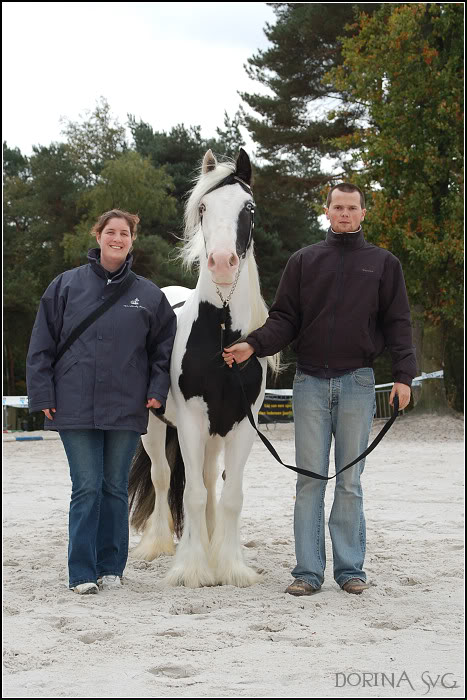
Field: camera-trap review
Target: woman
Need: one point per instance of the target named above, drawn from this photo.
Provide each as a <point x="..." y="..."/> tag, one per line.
<point x="98" y="393"/>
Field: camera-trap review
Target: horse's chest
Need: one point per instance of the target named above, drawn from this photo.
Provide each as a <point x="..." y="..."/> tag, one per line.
<point x="204" y="373"/>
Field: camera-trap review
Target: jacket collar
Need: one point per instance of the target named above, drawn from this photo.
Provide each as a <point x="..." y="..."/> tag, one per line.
<point x="94" y="257"/>
<point x="349" y="240"/>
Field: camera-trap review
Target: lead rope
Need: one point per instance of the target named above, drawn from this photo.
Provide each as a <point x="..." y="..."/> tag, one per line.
<point x="307" y="472"/>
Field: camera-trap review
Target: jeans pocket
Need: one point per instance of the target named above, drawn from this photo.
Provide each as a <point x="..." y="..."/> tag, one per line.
<point x="364" y="377"/>
<point x="299" y="377"/>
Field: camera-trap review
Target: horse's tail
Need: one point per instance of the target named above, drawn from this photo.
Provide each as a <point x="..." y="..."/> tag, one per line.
<point x="141" y="494"/>
<point x="177" y="478"/>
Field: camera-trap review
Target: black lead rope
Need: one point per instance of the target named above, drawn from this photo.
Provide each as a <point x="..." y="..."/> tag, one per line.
<point x="306" y="472"/>
<point x="223" y="322"/>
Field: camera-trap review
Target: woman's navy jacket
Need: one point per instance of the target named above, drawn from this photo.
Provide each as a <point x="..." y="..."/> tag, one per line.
<point x="103" y="381"/>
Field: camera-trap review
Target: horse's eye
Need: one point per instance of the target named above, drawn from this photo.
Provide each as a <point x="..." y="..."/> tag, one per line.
<point x="250" y="206"/>
<point x="202" y="209"/>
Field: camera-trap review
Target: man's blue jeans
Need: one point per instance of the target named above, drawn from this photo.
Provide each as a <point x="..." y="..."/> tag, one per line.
<point x="98" y="521"/>
<point x="343" y="407"/>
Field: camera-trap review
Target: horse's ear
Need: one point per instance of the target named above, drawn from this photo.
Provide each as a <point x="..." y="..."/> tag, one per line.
<point x="209" y="162"/>
<point x="243" y="170"/>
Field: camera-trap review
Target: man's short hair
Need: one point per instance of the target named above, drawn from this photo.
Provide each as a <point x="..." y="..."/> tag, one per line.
<point x="345" y="187"/>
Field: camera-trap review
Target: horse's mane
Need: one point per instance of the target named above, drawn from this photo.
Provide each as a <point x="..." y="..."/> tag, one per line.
<point x="193" y="246"/>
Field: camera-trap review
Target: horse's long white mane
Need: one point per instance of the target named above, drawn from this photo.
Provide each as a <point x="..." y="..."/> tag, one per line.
<point x="193" y="247"/>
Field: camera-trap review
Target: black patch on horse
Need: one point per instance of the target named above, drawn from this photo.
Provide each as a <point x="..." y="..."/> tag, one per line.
<point x="205" y="374"/>
<point x="244" y="229"/>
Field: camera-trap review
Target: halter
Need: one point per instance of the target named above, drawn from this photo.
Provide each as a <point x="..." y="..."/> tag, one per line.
<point x="229" y="180"/>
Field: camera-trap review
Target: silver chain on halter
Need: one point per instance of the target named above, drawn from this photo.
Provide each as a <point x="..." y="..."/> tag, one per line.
<point x="232" y="289"/>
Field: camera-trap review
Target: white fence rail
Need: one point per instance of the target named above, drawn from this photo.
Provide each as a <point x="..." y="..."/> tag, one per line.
<point x="277" y="406"/>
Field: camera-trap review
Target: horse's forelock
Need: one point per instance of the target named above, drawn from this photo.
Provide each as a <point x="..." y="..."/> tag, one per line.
<point x="193" y="241"/>
<point x="203" y="183"/>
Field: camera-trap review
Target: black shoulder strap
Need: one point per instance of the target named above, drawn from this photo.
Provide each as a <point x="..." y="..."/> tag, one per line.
<point x="76" y="332"/>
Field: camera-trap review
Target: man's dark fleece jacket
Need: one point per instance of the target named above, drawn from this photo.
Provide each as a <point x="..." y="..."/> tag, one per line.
<point x="341" y="301"/>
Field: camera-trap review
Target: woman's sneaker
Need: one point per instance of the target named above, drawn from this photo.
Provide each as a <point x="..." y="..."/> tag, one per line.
<point x="108" y="583"/>
<point x="86" y="588"/>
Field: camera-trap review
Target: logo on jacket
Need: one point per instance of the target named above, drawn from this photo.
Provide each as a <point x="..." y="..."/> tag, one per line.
<point x="134" y="304"/>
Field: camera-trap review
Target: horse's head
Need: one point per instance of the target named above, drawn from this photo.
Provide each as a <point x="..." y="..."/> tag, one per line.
<point x="221" y="210"/>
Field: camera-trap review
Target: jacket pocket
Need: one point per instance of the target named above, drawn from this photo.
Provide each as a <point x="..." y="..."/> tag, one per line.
<point x="68" y="387"/>
<point x="139" y="364"/>
<point x="134" y="384"/>
<point x="67" y="361"/>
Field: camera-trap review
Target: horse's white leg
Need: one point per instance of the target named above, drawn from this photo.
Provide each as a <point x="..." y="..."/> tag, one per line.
<point x="157" y="537"/>
<point x="226" y="552"/>
<point x="191" y="567"/>
<point x="213" y="447"/>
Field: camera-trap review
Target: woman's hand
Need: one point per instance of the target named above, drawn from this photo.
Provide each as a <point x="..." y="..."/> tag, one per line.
<point x="48" y="412"/>
<point x="153" y="403"/>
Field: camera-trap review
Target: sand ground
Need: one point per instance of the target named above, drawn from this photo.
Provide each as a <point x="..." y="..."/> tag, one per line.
<point x="149" y="640"/>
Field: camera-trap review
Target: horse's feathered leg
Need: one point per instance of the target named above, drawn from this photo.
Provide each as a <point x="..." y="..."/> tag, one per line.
<point x="213" y="447"/>
<point x="191" y="567"/>
<point x="157" y="536"/>
<point x="226" y="551"/>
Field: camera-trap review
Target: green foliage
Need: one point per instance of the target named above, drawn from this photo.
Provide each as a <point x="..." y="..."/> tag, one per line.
<point x="94" y="142"/>
<point x="230" y="138"/>
<point x="305" y="43"/>
<point x="133" y="184"/>
<point x="405" y="65"/>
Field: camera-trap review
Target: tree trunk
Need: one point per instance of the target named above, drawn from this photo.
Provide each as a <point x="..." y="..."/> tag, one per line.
<point x="432" y="397"/>
<point x="10" y="370"/>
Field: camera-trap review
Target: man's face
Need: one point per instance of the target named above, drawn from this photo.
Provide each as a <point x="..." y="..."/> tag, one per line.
<point x="345" y="212"/>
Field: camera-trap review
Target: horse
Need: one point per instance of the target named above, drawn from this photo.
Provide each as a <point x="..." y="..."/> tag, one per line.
<point x="174" y="472"/>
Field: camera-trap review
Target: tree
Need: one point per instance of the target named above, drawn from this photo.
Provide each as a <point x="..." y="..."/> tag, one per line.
<point x="130" y="182"/>
<point x="229" y="139"/>
<point x="41" y="196"/>
<point x="292" y="131"/>
<point x="405" y="65"/>
<point x="95" y="141"/>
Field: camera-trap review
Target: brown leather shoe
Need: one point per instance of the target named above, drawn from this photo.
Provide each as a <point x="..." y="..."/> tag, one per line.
<point x="355" y="585"/>
<point x="299" y="587"/>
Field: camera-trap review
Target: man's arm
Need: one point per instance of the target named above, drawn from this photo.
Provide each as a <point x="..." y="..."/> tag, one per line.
<point x="397" y="330"/>
<point x="284" y="320"/>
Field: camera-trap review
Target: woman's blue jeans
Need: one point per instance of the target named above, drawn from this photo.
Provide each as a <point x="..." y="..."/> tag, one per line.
<point x="343" y="407"/>
<point x="98" y="520"/>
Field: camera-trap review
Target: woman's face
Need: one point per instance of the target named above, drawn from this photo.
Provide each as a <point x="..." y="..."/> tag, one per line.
<point x="115" y="242"/>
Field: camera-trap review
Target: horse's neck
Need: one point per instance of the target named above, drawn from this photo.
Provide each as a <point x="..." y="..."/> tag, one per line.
<point x="240" y="303"/>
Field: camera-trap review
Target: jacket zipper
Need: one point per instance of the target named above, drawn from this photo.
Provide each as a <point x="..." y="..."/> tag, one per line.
<point x="340" y="277"/>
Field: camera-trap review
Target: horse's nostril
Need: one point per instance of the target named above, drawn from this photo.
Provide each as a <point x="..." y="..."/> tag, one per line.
<point x="233" y="260"/>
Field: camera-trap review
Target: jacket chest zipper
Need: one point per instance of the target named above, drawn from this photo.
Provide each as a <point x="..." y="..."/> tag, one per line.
<point x="340" y="277"/>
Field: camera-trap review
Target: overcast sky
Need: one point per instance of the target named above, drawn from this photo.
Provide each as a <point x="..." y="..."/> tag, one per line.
<point x="166" y="63"/>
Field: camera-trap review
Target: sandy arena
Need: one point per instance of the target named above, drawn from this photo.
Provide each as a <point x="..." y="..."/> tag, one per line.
<point x="152" y="641"/>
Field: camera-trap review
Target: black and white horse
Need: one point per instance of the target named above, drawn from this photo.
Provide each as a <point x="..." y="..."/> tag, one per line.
<point x="205" y="402"/>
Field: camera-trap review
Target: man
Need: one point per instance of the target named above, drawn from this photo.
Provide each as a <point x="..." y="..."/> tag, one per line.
<point x="341" y="302"/>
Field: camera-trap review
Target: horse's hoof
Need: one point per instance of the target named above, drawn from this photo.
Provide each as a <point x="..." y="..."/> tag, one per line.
<point x="149" y="552"/>
<point x="241" y="576"/>
<point x="194" y="579"/>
